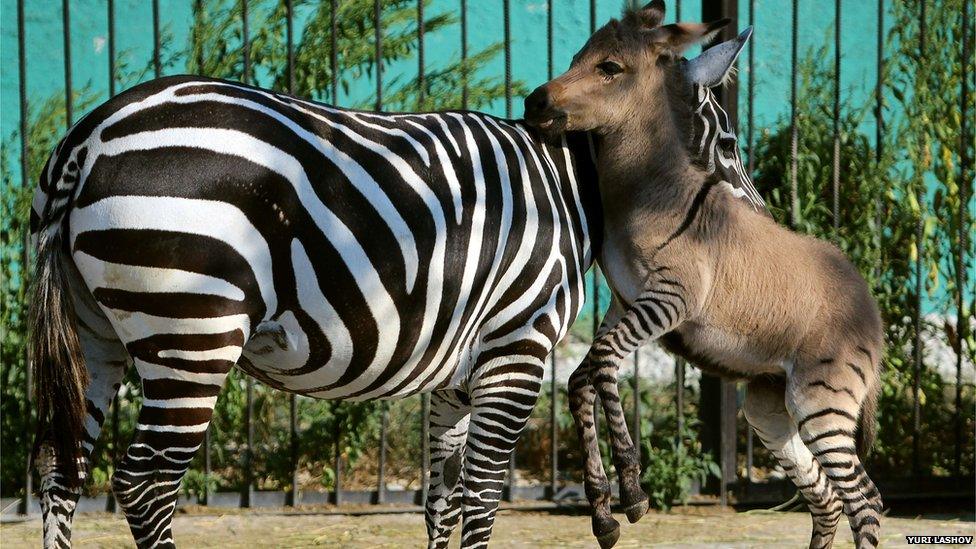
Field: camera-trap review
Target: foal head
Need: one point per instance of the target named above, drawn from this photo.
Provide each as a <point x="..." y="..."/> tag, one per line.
<point x="621" y="77"/>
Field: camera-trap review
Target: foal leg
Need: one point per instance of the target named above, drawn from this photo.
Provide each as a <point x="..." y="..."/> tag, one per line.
<point x="582" y="398"/>
<point x="106" y="360"/>
<point x="765" y="409"/>
<point x="659" y="309"/>
<point x="825" y="398"/>
<point x="449" y="414"/>
<point x="502" y="399"/>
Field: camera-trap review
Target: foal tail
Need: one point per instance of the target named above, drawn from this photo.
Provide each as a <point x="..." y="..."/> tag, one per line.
<point x="58" y="364"/>
<point x="867" y="425"/>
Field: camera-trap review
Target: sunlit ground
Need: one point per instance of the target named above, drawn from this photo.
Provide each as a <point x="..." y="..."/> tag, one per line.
<point x="688" y="527"/>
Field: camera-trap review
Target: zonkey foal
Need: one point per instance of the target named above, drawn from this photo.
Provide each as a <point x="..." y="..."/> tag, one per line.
<point x="713" y="279"/>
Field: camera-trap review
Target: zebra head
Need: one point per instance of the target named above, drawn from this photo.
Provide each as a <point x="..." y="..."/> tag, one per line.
<point x="713" y="142"/>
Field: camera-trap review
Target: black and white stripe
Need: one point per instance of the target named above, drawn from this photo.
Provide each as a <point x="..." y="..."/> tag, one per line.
<point x="331" y="253"/>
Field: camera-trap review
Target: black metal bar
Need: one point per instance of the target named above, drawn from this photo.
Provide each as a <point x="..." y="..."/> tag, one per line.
<point x="553" y="391"/>
<point x="110" y="503"/>
<point x="69" y="100"/>
<point x="677" y="10"/>
<point x="636" y="419"/>
<point x="292" y="497"/>
<point x="679" y="398"/>
<point x="381" y="480"/>
<point x="25" y="503"/>
<point x="962" y="323"/>
<point x="506" y="21"/>
<point x="553" y="430"/>
<point x="337" y="465"/>
<point x="794" y="132"/>
<point x="207" y="469"/>
<point x="919" y="254"/>
<point x="378" y="36"/>
<point x="549" y="59"/>
<point x="157" y="61"/>
<point x="878" y="88"/>
<point x="290" y="44"/>
<point x="111" y="48"/>
<point x="198" y="28"/>
<point x="464" y="54"/>
<point x="421" y="75"/>
<point x="835" y="187"/>
<point x="424" y="444"/>
<point x="750" y="93"/>
<point x="247" y="489"/>
<point x="334" y="52"/>
<point x="592" y="16"/>
<point x="245" y="43"/>
<point x="596" y="328"/>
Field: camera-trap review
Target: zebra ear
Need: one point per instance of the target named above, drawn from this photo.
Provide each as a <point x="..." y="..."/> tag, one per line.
<point x="714" y="65"/>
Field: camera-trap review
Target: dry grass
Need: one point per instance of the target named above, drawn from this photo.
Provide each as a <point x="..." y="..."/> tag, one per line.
<point x="687" y="527"/>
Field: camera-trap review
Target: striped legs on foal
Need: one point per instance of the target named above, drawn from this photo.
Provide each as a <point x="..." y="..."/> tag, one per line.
<point x="765" y="410"/>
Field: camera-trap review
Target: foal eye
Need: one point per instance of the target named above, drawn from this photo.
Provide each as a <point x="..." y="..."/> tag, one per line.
<point x="609" y="68"/>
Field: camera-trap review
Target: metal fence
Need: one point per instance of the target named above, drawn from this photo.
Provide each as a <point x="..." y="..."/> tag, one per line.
<point x="719" y="398"/>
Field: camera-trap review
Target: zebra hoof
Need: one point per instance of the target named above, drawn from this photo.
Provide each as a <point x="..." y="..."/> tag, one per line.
<point x="637" y="510"/>
<point x="609" y="539"/>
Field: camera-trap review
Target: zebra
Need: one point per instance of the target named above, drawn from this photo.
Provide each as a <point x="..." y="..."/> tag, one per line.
<point x="190" y="224"/>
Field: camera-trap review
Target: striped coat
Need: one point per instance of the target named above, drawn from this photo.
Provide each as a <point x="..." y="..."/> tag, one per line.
<point x="331" y="253"/>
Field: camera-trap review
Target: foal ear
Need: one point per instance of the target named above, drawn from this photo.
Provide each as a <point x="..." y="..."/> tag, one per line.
<point x="678" y="37"/>
<point x="648" y="17"/>
<point x="713" y="66"/>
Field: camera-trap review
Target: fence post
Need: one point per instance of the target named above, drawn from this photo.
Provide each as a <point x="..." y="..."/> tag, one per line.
<point x="835" y="179"/>
<point x="157" y="55"/>
<point x="553" y="390"/>
<point x="794" y="131"/>
<point x="381" y="480"/>
<point x="248" y="488"/>
<point x="337" y="450"/>
<point x="69" y="101"/>
<point x="424" y="445"/>
<point x="25" y="503"/>
<point x="718" y="412"/>
<point x="919" y="286"/>
<point x="464" y="54"/>
<point x="636" y="427"/>
<point x="962" y="323"/>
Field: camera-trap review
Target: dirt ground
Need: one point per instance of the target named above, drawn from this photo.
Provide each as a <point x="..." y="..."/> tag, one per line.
<point x="685" y="527"/>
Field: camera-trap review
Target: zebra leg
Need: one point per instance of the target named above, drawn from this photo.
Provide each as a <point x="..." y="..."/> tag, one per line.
<point x="448" y="430"/>
<point x="502" y="399"/>
<point x="825" y="399"/>
<point x="182" y="373"/>
<point x="765" y="409"/>
<point x="582" y="398"/>
<point x="106" y="360"/>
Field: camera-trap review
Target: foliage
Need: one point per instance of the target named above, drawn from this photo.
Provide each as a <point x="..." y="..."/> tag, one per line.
<point x="885" y="196"/>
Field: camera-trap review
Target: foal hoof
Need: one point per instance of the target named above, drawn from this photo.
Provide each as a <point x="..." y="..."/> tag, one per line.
<point x="637" y="510"/>
<point x="607" y="531"/>
<point x="609" y="539"/>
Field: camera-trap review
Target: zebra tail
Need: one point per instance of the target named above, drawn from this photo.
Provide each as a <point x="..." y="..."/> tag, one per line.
<point x="57" y="361"/>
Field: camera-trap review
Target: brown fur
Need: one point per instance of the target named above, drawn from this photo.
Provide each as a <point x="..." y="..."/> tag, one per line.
<point x="745" y="295"/>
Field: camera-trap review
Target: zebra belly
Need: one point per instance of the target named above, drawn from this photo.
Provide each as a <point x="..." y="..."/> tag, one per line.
<point x="279" y="353"/>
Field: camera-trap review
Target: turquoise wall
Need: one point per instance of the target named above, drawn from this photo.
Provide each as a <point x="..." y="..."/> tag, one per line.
<point x="45" y="75"/>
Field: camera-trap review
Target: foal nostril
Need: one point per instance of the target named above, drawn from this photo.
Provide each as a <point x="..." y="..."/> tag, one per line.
<point x="538" y="101"/>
